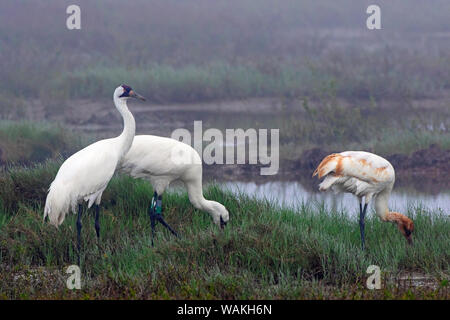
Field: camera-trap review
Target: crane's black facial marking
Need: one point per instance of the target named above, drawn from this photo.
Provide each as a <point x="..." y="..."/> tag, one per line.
<point x="126" y="91"/>
<point x="222" y="223"/>
<point x="407" y="231"/>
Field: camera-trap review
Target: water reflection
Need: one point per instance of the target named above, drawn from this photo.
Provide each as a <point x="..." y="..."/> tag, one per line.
<point x="293" y="193"/>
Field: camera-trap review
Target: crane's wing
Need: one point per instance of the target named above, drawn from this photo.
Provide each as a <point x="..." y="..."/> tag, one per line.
<point x="354" y="171"/>
<point x="87" y="171"/>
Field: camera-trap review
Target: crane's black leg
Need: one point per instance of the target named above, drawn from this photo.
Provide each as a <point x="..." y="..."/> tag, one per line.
<point x="164" y="223"/>
<point x="155" y="212"/>
<point x="362" y="214"/>
<point x="151" y="213"/>
<point x="79" y="226"/>
<point x="160" y="217"/>
<point x="97" y="222"/>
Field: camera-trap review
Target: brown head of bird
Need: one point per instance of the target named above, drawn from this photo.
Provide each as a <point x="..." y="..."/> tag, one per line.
<point x="404" y="224"/>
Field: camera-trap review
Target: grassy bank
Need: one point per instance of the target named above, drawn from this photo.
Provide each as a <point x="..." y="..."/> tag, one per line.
<point x="23" y="143"/>
<point x="27" y="142"/>
<point x="265" y="252"/>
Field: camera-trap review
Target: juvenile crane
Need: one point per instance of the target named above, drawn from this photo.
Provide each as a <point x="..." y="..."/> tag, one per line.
<point x="365" y="175"/>
<point x="161" y="161"/>
<point x="85" y="175"/>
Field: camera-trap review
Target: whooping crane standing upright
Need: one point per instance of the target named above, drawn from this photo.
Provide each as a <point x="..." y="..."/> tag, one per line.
<point x="162" y="160"/>
<point x="85" y="174"/>
<point x="365" y="175"/>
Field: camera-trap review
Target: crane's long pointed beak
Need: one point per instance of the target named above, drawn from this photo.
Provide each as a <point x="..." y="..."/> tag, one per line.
<point x="133" y="94"/>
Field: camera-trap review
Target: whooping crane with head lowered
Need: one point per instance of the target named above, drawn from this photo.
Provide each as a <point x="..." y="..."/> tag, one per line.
<point x="85" y="175"/>
<point x="365" y="175"/>
<point x="161" y="161"/>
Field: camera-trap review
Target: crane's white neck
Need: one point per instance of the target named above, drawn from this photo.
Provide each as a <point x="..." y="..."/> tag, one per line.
<point x="381" y="204"/>
<point x="215" y="209"/>
<point x="129" y="126"/>
<point x="404" y="224"/>
<point x="210" y="207"/>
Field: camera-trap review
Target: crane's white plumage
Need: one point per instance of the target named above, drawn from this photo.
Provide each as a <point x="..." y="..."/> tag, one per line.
<point x="163" y="160"/>
<point x="362" y="173"/>
<point x="365" y="175"/>
<point x="85" y="175"/>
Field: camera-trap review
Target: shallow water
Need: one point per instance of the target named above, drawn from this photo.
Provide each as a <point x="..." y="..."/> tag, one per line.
<point x="293" y="193"/>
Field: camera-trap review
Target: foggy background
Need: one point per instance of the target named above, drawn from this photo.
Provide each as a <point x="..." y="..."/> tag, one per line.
<point x="198" y="50"/>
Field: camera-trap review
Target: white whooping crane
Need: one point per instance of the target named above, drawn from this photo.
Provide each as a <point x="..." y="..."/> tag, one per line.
<point x="161" y="161"/>
<point x="365" y="175"/>
<point x="85" y="175"/>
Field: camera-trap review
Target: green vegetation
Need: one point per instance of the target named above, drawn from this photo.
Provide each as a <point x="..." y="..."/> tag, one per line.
<point x="26" y="142"/>
<point x="265" y="251"/>
<point x="221" y="80"/>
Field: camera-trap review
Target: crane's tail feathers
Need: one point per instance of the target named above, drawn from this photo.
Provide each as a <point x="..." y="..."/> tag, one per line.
<point x="329" y="164"/>
<point x="57" y="204"/>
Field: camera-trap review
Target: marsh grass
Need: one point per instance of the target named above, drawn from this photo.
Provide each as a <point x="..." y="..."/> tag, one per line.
<point x="189" y="83"/>
<point x="27" y="142"/>
<point x="266" y="251"/>
<point x="221" y="79"/>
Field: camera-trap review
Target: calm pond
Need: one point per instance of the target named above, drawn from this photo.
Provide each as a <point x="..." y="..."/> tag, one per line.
<point x="293" y="193"/>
